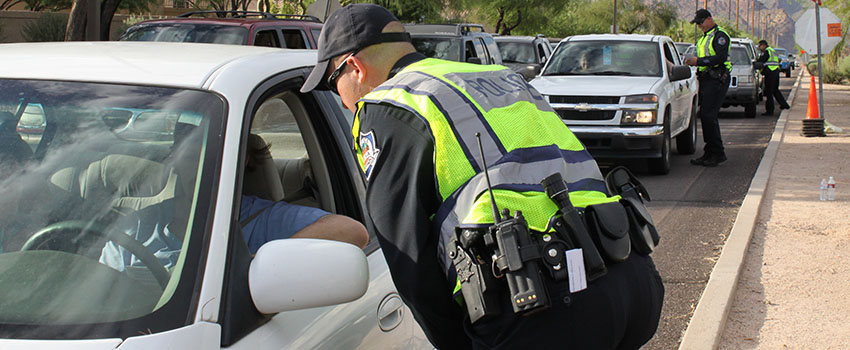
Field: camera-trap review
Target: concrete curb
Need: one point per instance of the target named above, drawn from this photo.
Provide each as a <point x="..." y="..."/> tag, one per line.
<point x="706" y="326"/>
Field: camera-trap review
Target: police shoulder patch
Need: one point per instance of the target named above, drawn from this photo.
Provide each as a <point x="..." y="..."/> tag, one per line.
<point x="368" y="152"/>
<point x="721" y="40"/>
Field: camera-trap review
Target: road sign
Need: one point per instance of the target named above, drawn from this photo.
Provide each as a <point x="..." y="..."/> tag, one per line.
<point x="834" y="29"/>
<point x="805" y="33"/>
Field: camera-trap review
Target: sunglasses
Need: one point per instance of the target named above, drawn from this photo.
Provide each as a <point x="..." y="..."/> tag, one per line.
<point x="337" y="72"/>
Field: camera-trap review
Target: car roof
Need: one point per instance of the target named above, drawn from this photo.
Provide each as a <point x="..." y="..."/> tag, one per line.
<point x="615" y="37"/>
<point x="187" y="65"/>
<point x="445" y="29"/>
<point x="517" y="38"/>
<point x="241" y="22"/>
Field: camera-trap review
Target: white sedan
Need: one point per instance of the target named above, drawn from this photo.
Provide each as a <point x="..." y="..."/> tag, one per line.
<point x="88" y="184"/>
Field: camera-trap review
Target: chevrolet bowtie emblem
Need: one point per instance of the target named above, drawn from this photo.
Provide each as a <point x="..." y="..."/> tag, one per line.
<point x="583" y="107"/>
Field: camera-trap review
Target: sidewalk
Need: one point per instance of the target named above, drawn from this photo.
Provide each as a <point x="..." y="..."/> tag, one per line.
<point x="783" y="279"/>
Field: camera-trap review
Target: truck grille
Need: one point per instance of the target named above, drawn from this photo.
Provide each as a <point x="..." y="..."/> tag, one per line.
<point x="585" y="99"/>
<point x="589" y="115"/>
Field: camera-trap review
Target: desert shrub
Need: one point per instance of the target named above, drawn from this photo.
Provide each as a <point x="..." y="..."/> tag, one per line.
<point x="831" y="75"/>
<point x="50" y="26"/>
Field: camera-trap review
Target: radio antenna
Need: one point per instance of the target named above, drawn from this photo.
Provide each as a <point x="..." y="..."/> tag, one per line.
<point x="496" y="216"/>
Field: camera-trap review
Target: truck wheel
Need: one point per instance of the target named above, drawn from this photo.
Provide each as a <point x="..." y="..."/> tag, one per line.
<point x="686" y="142"/>
<point x="750" y="110"/>
<point x="661" y="165"/>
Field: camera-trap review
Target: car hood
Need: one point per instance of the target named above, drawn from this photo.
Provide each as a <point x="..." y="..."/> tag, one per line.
<point x="594" y="85"/>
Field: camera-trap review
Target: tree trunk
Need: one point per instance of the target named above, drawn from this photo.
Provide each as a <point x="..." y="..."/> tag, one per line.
<point x="76" y="30"/>
<point x="107" y="12"/>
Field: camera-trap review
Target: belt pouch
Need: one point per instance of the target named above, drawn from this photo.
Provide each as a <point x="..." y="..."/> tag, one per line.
<point x="608" y="224"/>
<point x="642" y="230"/>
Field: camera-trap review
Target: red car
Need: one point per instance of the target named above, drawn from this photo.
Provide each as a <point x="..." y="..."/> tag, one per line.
<point x="231" y="27"/>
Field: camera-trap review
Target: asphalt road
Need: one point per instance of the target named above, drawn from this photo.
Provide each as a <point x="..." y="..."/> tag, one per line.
<point x="694" y="208"/>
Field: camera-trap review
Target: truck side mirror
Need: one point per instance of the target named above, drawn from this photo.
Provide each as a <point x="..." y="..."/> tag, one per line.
<point x="680" y="72"/>
<point x="758" y="65"/>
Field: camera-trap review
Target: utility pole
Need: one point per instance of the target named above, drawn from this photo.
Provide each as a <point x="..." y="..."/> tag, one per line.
<point x="752" y="17"/>
<point x="696" y="7"/>
<point x="737" y="12"/>
<point x="729" y="17"/>
<point x="614" y="25"/>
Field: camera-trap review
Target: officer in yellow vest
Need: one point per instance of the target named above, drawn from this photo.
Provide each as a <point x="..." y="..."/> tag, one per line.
<point x="771" y="78"/>
<point x="713" y="68"/>
<point x="420" y="130"/>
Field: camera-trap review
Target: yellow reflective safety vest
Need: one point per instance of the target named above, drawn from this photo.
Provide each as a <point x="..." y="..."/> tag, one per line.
<point x="705" y="48"/>
<point x="522" y="137"/>
<point x="772" y="60"/>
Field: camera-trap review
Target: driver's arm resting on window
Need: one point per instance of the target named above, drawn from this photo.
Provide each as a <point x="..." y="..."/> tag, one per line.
<point x="278" y="220"/>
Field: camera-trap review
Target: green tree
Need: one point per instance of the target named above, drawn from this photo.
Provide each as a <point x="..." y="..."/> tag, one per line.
<point x="507" y="16"/>
<point x="76" y="29"/>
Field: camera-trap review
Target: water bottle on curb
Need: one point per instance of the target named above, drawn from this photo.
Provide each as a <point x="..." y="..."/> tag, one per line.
<point x="823" y="189"/>
<point x="830" y="189"/>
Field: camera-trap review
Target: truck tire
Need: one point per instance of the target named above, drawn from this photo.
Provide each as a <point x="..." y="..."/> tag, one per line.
<point x="661" y="165"/>
<point x="686" y="142"/>
<point x="750" y="110"/>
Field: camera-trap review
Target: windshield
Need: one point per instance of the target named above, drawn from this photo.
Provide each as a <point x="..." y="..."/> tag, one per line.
<point x="187" y="32"/>
<point x="442" y="48"/>
<point x="628" y="58"/>
<point x="514" y="52"/>
<point x="102" y="206"/>
<point x="738" y="56"/>
<point x="781" y="52"/>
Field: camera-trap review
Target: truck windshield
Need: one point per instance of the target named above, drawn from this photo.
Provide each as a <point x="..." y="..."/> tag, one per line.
<point x="628" y="58"/>
<point x="187" y="32"/>
<point x="517" y="52"/>
<point x="738" y="56"/>
<point x="104" y="206"/>
<point x="435" y="47"/>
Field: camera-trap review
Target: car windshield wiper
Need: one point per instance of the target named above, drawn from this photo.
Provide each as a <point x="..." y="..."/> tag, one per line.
<point x="612" y="72"/>
<point x="565" y="73"/>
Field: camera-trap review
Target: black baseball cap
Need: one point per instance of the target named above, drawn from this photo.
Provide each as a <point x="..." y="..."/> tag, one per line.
<point x="349" y="29"/>
<point x="701" y="15"/>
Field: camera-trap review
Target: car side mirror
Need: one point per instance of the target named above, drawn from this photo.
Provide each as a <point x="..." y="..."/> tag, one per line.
<point x="680" y="72"/>
<point x="758" y="65"/>
<point x="300" y="273"/>
<point x="476" y="60"/>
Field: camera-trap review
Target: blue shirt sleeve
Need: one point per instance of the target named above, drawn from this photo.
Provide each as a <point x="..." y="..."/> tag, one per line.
<point x="278" y="221"/>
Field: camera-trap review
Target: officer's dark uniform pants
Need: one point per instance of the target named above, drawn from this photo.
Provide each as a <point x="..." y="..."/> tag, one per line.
<point x="771" y="91"/>
<point x="711" y="95"/>
<point x="617" y="311"/>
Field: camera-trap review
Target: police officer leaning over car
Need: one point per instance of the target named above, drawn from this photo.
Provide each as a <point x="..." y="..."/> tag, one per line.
<point x="771" y="78"/>
<point x="420" y="130"/>
<point x="713" y="69"/>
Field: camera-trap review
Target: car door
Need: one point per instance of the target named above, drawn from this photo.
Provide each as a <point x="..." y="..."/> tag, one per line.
<point x="315" y="169"/>
<point x="681" y="91"/>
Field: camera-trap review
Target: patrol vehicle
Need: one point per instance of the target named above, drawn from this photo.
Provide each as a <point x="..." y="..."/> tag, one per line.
<point x="87" y="186"/>
<point x="623" y="96"/>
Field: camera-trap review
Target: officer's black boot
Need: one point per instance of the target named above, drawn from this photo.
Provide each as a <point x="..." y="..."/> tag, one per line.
<point x="701" y="160"/>
<point x="714" y="160"/>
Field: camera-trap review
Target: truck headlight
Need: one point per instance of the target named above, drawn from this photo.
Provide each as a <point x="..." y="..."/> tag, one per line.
<point x="638" y="117"/>
<point x="647" y="98"/>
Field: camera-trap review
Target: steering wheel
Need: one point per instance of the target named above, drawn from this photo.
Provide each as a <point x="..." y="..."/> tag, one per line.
<point x="59" y="231"/>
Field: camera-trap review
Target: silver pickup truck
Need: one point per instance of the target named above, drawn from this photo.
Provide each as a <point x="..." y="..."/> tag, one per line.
<point x="623" y="96"/>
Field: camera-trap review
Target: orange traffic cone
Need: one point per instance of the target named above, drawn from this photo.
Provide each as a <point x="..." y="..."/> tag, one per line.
<point x="812" y="111"/>
<point x="813" y="124"/>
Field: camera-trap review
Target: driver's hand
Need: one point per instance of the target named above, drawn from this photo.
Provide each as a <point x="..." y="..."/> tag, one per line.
<point x="691" y="61"/>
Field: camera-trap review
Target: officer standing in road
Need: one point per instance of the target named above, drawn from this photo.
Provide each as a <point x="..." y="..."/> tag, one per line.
<point x="424" y="130"/>
<point x="713" y="68"/>
<point x="771" y="78"/>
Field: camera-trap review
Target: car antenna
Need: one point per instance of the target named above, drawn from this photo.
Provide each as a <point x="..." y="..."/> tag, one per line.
<point x="496" y="216"/>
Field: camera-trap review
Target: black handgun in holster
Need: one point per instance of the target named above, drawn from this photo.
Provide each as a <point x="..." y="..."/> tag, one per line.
<point x="570" y="224"/>
<point x="479" y="286"/>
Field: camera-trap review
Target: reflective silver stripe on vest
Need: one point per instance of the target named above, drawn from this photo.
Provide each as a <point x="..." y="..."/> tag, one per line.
<point x="705" y="49"/>
<point x="464" y="116"/>
<point x="496" y="89"/>
<point x="509" y="173"/>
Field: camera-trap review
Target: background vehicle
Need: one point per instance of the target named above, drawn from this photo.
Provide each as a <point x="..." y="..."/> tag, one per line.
<point x="784" y="62"/>
<point x="743" y="84"/>
<point x="239" y="28"/>
<point x="623" y="96"/>
<point x="681" y="48"/>
<point x="525" y="55"/>
<point x="88" y="183"/>
<point x="754" y="54"/>
<point x="455" y="42"/>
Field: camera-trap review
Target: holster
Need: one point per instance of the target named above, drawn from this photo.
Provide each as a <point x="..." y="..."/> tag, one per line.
<point x="642" y="230"/>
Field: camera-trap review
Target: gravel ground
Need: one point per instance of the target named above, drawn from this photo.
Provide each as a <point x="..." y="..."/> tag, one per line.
<point x="794" y="290"/>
